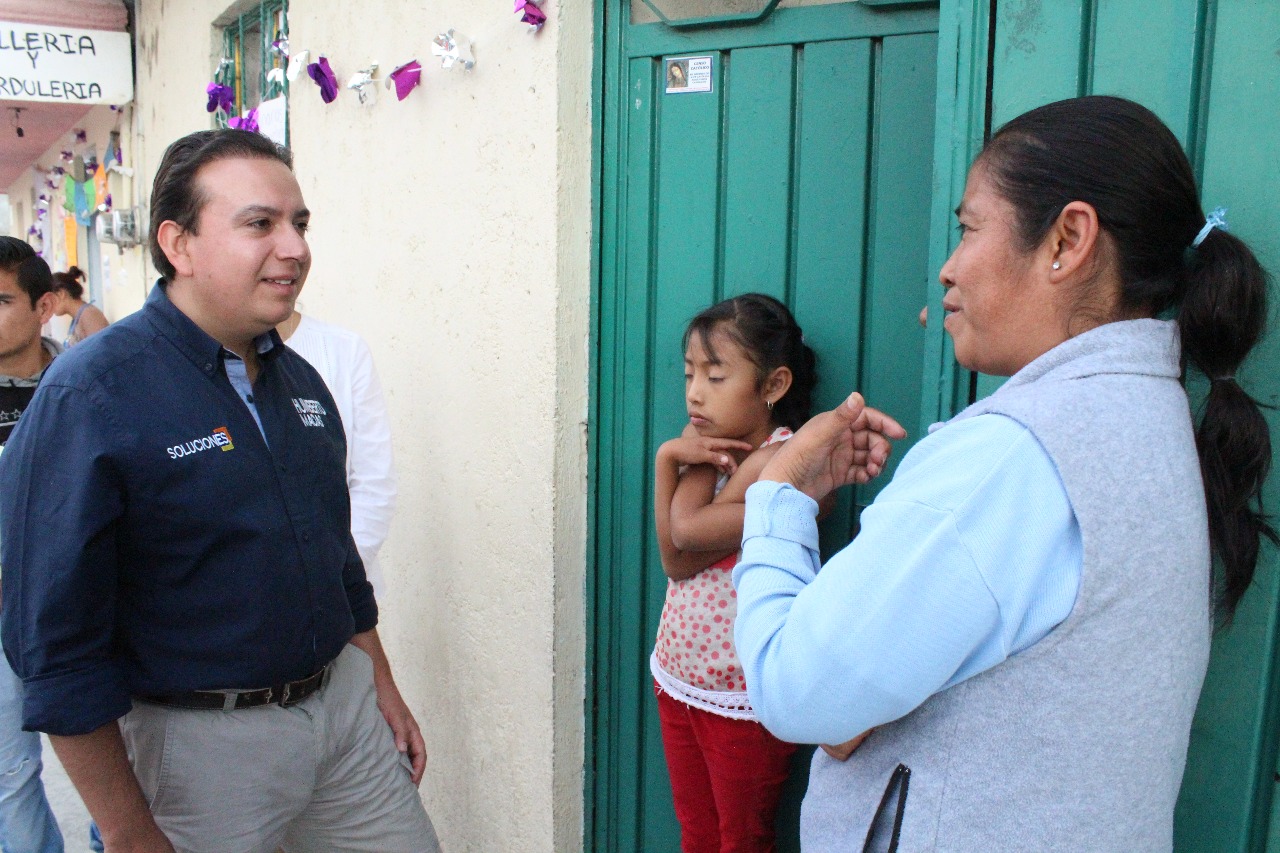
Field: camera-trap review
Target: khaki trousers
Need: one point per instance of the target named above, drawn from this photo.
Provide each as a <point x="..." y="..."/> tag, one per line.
<point x="322" y="776"/>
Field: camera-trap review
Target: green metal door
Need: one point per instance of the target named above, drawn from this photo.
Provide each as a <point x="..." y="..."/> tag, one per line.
<point x="1211" y="70"/>
<point x="804" y="171"/>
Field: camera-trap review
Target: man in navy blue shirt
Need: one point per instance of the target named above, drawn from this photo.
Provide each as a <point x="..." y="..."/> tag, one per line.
<point x="183" y="599"/>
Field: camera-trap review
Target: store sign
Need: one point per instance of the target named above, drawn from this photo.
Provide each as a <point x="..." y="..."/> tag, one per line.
<point x="64" y="66"/>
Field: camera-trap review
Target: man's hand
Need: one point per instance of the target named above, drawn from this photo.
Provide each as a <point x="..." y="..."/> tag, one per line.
<point x="404" y="728"/>
<point x="98" y="766"/>
<point x="849" y="444"/>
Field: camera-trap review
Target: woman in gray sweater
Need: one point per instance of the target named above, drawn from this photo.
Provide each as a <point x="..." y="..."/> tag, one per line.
<point x="1024" y="616"/>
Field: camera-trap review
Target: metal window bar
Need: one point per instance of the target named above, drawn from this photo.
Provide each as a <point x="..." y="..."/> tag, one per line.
<point x="247" y="41"/>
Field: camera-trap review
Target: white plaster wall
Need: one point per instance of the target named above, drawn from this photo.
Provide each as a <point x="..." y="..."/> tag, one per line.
<point x="453" y="231"/>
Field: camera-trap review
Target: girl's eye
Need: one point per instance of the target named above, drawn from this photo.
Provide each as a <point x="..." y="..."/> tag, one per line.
<point x="962" y="228"/>
<point x="688" y="377"/>
<point x="715" y="378"/>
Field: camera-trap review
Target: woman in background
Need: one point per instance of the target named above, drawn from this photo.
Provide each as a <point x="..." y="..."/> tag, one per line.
<point x="85" y="317"/>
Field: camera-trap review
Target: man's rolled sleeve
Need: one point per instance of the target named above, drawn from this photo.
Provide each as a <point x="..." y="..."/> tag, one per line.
<point x="60" y="501"/>
<point x="364" y="609"/>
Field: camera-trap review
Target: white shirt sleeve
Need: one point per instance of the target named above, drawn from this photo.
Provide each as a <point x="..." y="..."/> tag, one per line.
<point x="971" y="554"/>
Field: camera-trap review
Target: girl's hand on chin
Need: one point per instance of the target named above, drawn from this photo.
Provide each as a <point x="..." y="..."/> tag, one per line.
<point x="697" y="450"/>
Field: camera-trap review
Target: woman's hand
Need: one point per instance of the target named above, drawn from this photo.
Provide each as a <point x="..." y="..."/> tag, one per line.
<point x="696" y="450"/>
<point x="849" y="444"/>
<point x="841" y="752"/>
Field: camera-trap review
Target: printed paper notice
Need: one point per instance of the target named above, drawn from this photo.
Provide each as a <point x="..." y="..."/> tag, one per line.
<point x="688" y="74"/>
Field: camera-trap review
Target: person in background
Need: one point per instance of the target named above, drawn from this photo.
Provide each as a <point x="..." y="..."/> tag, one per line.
<point x="26" y="823"/>
<point x="1024" y="616"/>
<point x="68" y="288"/>
<point x="343" y="360"/>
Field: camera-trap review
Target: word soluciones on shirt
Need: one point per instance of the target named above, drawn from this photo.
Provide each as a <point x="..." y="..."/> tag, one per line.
<point x="220" y="437"/>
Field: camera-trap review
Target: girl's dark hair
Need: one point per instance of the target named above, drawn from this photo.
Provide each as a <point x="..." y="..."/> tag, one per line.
<point x="1117" y="156"/>
<point x="771" y="338"/>
<point x="69" y="282"/>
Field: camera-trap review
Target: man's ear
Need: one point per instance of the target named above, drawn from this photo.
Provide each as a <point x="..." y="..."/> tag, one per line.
<point x="777" y="384"/>
<point x="172" y="238"/>
<point x="45" y="305"/>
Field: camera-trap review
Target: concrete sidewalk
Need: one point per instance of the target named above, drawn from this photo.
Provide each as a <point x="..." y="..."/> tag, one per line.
<point x="68" y="808"/>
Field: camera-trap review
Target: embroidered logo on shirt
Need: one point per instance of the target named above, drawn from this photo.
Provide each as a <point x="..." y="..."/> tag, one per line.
<point x="311" y="412"/>
<point x="220" y="438"/>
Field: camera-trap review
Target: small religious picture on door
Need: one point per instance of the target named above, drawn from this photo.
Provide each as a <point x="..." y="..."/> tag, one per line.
<point x="688" y="74"/>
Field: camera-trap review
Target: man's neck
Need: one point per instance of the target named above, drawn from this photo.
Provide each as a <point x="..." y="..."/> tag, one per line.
<point x="289" y="326"/>
<point x="27" y="363"/>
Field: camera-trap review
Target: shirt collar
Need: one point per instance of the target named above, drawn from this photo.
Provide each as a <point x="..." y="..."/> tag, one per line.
<point x="198" y="346"/>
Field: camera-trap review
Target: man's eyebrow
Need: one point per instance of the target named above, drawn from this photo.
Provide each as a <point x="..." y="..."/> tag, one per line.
<point x="268" y="210"/>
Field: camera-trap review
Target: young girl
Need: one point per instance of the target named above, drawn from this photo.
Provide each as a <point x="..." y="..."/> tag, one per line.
<point x="749" y="378"/>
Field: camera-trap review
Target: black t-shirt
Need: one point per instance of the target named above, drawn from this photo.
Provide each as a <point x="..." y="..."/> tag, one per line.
<point x="14" y="400"/>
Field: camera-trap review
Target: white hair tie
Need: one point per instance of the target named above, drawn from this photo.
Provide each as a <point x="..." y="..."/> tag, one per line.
<point x="1217" y="219"/>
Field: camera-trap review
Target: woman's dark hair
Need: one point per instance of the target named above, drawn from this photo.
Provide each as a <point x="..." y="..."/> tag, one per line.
<point x="176" y="196"/>
<point x="69" y="282"/>
<point x="1117" y="156"/>
<point x="771" y="338"/>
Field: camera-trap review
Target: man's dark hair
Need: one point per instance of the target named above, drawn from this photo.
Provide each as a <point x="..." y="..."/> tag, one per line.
<point x="33" y="274"/>
<point x="176" y="196"/>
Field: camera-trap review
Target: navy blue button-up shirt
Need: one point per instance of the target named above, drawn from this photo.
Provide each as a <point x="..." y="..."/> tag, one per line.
<point x="154" y="543"/>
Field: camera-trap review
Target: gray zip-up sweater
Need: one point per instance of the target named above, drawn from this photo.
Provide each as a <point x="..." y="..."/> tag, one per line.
<point x="1079" y="742"/>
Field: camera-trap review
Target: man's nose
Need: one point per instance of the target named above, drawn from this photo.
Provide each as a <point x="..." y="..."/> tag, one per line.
<point x="292" y="244"/>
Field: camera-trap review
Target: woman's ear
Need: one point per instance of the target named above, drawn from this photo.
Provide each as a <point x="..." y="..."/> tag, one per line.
<point x="777" y="384"/>
<point x="1073" y="241"/>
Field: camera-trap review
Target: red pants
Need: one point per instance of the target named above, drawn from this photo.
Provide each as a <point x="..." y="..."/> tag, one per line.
<point x="726" y="778"/>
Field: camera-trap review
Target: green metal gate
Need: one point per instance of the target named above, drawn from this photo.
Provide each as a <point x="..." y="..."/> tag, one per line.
<point x="796" y="160"/>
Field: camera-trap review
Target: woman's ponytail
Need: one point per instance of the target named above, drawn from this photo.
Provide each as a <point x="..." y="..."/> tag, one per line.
<point x="1222" y="315"/>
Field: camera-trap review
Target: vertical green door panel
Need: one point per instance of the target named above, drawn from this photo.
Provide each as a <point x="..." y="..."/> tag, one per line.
<point x="757" y="187"/>
<point x="831" y="221"/>
<point x="1227" y="796"/>
<point x="804" y="173"/>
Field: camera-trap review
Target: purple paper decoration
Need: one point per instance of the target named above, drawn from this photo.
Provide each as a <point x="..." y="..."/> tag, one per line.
<point x="325" y="79"/>
<point x="530" y="14"/>
<point x="406" y="77"/>
<point x="220" y="98"/>
<point x="249" y="121"/>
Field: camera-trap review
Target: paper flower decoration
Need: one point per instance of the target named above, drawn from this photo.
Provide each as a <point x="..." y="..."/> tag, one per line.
<point x="405" y="78"/>
<point x="81" y="136"/>
<point x="362" y="84"/>
<point x="452" y="49"/>
<point x="281" y="46"/>
<point x="276" y="76"/>
<point x="325" y="79"/>
<point x="530" y="14"/>
<point x="67" y="156"/>
<point x="220" y="98"/>
<point x="297" y="62"/>
<point x="32" y="231"/>
<point x="249" y="121"/>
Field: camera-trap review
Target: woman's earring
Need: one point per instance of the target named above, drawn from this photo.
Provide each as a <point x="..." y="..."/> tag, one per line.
<point x="768" y="404"/>
<point x="1057" y="265"/>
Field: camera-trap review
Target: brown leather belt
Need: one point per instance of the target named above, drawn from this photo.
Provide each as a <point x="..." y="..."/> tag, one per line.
<point x="283" y="695"/>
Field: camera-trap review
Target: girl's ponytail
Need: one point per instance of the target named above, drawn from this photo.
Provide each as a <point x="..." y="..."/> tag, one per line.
<point x="1222" y="315"/>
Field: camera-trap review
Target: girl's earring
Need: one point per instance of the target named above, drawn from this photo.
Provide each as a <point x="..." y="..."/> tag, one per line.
<point x="768" y="404"/>
<point x="1057" y="265"/>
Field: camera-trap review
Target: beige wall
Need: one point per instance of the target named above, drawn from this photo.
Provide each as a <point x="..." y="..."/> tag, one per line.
<point x="453" y="231"/>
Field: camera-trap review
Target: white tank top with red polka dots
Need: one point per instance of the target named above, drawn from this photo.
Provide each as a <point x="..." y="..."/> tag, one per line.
<point x="694" y="659"/>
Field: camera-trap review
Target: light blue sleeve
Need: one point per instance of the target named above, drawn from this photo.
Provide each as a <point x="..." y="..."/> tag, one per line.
<point x="970" y="555"/>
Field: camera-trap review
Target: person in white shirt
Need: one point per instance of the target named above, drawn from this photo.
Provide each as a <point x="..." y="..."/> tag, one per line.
<point x="344" y="362"/>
